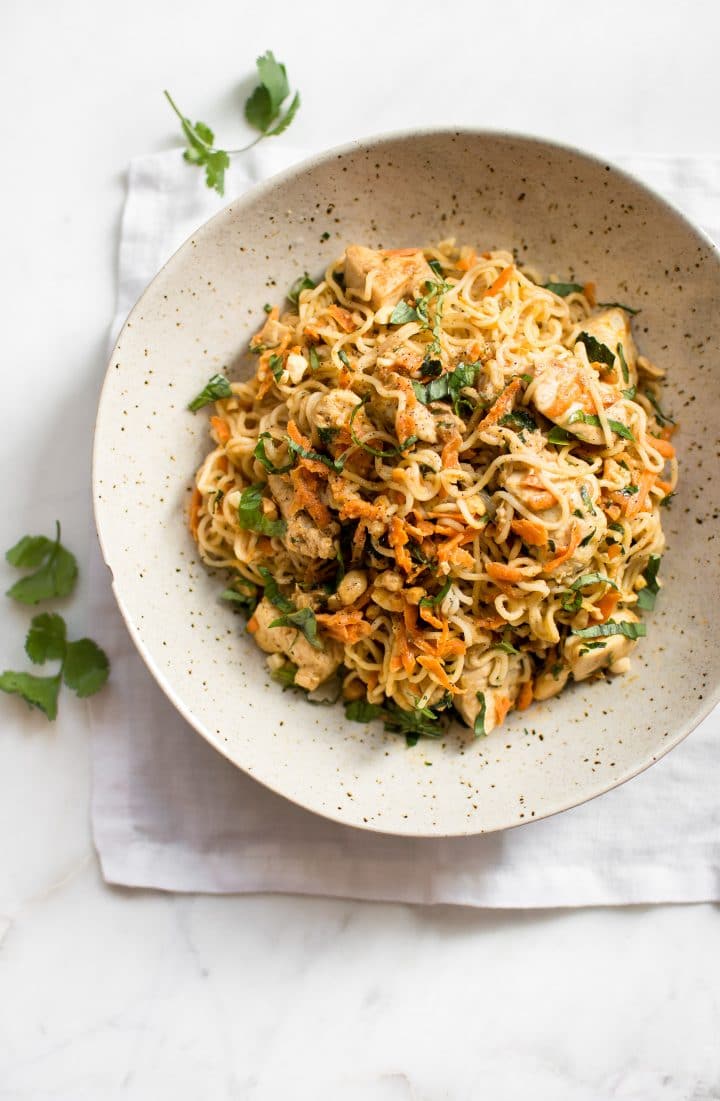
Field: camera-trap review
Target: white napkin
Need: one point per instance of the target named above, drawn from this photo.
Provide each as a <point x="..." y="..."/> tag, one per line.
<point x="169" y="812"/>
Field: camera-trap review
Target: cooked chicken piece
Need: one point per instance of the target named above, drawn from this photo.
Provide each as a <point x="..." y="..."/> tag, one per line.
<point x="561" y="391"/>
<point x="612" y="327"/>
<point x="295" y="367"/>
<point x="549" y="684"/>
<point x="314" y="666"/>
<point x="272" y="333"/>
<point x="303" y="536"/>
<point x="473" y="681"/>
<point x="383" y="277"/>
<point x="612" y="655"/>
<point x="421" y="422"/>
<point x="333" y="410"/>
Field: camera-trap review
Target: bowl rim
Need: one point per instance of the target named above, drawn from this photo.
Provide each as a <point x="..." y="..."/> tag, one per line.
<point x="711" y="697"/>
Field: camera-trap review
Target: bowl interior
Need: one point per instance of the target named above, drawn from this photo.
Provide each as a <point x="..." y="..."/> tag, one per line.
<point x="566" y="214"/>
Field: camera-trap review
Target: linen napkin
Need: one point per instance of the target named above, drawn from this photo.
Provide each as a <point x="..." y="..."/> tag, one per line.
<point x="169" y="812"/>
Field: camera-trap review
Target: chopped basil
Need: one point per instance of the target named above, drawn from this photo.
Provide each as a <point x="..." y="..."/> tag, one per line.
<point x="602" y="630"/>
<point x="303" y="619"/>
<point x="592" y="646"/>
<point x="448" y="386"/>
<point x="592" y="419"/>
<point x="660" y="417"/>
<point x="556" y="669"/>
<point x="618" y="306"/>
<point x="630" y="491"/>
<point x="559" y="436"/>
<point x="479" y="724"/>
<point x="272" y="592"/>
<point x="648" y="595"/>
<point x="276" y="366"/>
<point x="260" y="454"/>
<point x="314" y="359"/>
<point x="403" y="313"/>
<point x="623" y="363"/>
<point x="285" y="675"/>
<point x="520" y="419"/>
<point x="217" y="499"/>
<point x="629" y="394"/>
<point x="433" y="601"/>
<point x="360" y="711"/>
<point x="504" y="645"/>
<point x="587" y="499"/>
<point x="436" y="266"/>
<point x="333" y="464"/>
<point x="327" y="434"/>
<point x="302" y="283"/>
<point x="571" y="601"/>
<point x="597" y="352"/>
<point x="246" y="601"/>
<point x="615" y="526"/>
<point x="343" y="357"/>
<point x="667" y="500"/>
<point x="431" y="368"/>
<point x="251" y="516"/>
<point x="564" y="289"/>
<point x="216" y="389"/>
<point x="584" y="542"/>
<point x="592" y="579"/>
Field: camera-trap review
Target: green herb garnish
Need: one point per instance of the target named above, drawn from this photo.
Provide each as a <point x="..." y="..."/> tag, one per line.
<point x="592" y="419"/>
<point x="623" y="363"/>
<point x="660" y="417"/>
<point x="592" y="579"/>
<point x="84" y="666"/>
<point x="519" y="419"/>
<point x="479" y="724"/>
<point x="647" y="596"/>
<point x="618" y="306"/>
<point x="374" y="450"/>
<point x="216" y="389"/>
<point x="302" y="283"/>
<point x="251" y="516"/>
<point x="597" y="352"/>
<point x="559" y="436"/>
<point x="602" y="630"/>
<point x="314" y="359"/>
<point x="433" y="601"/>
<point x="260" y="454"/>
<point x="564" y="289"/>
<point x="303" y="620"/>
<point x="55" y="568"/>
<point x="262" y="111"/>
<point x="403" y="313"/>
<point x="298" y="449"/>
<point x="587" y="499"/>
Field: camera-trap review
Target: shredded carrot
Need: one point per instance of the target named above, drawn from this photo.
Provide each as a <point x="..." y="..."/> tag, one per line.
<point x="398" y="540"/>
<point x="531" y="532"/>
<point x="434" y="667"/>
<point x="501" y="406"/>
<point x="664" y="447"/>
<point x="347" y="625"/>
<point x="499" y="571"/>
<point x="668" y="431"/>
<point x="568" y="552"/>
<point x="608" y="604"/>
<point x="253" y="624"/>
<point x="490" y="622"/>
<point x="343" y="317"/>
<point x="589" y="291"/>
<point x="664" y="487"/>
<point x="402" y="650"/>
<point x="358" y="541"/>
<point x="451" y="451"/>
<point x="614" y="550"/>
<point x="540" y="499"/>
<point x="195" y="502"/>
<point x="222" y="429"/>
<point x="502" y="706"/>
<point x="410" y="615"/>
<point x="427" y="615"/>
<point x="639" y="500"/>
<point x="613" y="512"/>
<point x="468" y="261"/>
<point x="525" y="696"/>
<point x="499" y="283"/>
<point x="307" y="485"/>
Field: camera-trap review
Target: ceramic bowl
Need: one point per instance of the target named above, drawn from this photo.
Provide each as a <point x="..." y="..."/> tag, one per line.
<point x="565" y="213"/>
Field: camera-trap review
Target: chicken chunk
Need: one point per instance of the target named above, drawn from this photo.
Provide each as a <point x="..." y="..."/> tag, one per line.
<point x="611" y="328"/>
<point x="383" y="277"/>
<point x="392" y="352"/>
<point x="561" y="391"/>
<point x="612" y="655"/>
<point x="333" y="410"/>
<point x="302" y="536"/>
<point x="477" y="680"/>
<point x="314" y="666"/>
<point x="272" y="333"/>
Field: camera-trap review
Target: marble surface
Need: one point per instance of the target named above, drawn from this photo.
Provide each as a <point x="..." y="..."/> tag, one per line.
<point x="107" y="993"/>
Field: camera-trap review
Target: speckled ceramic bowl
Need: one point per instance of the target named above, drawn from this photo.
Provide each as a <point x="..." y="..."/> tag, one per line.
<point x="564" y="212"/>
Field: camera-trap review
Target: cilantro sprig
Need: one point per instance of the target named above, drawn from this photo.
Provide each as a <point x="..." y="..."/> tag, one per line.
<point x="264" y="111"/>
<point x="55" y="568"/>
<point x="84" y="667"/>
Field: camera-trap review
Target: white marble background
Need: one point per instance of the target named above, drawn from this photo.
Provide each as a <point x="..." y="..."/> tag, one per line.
<point x="107" y="993"/>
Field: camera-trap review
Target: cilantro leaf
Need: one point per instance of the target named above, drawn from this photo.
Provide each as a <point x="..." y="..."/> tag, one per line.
<point x="303" y="619"/>
<point x="85" y="668"/>
<point x="433" y="601"/>
<point x="46" y="638"/>
<point x="251" y="516"/>
<point x="262" y="111"/>
<point x="564" y="289"/>
<point x="215" y="389"/>
<point x="260" y="454"/>
<point x="40" y="692"/>
<point x="56" y="575"/>
<point x="597" y="352"/>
